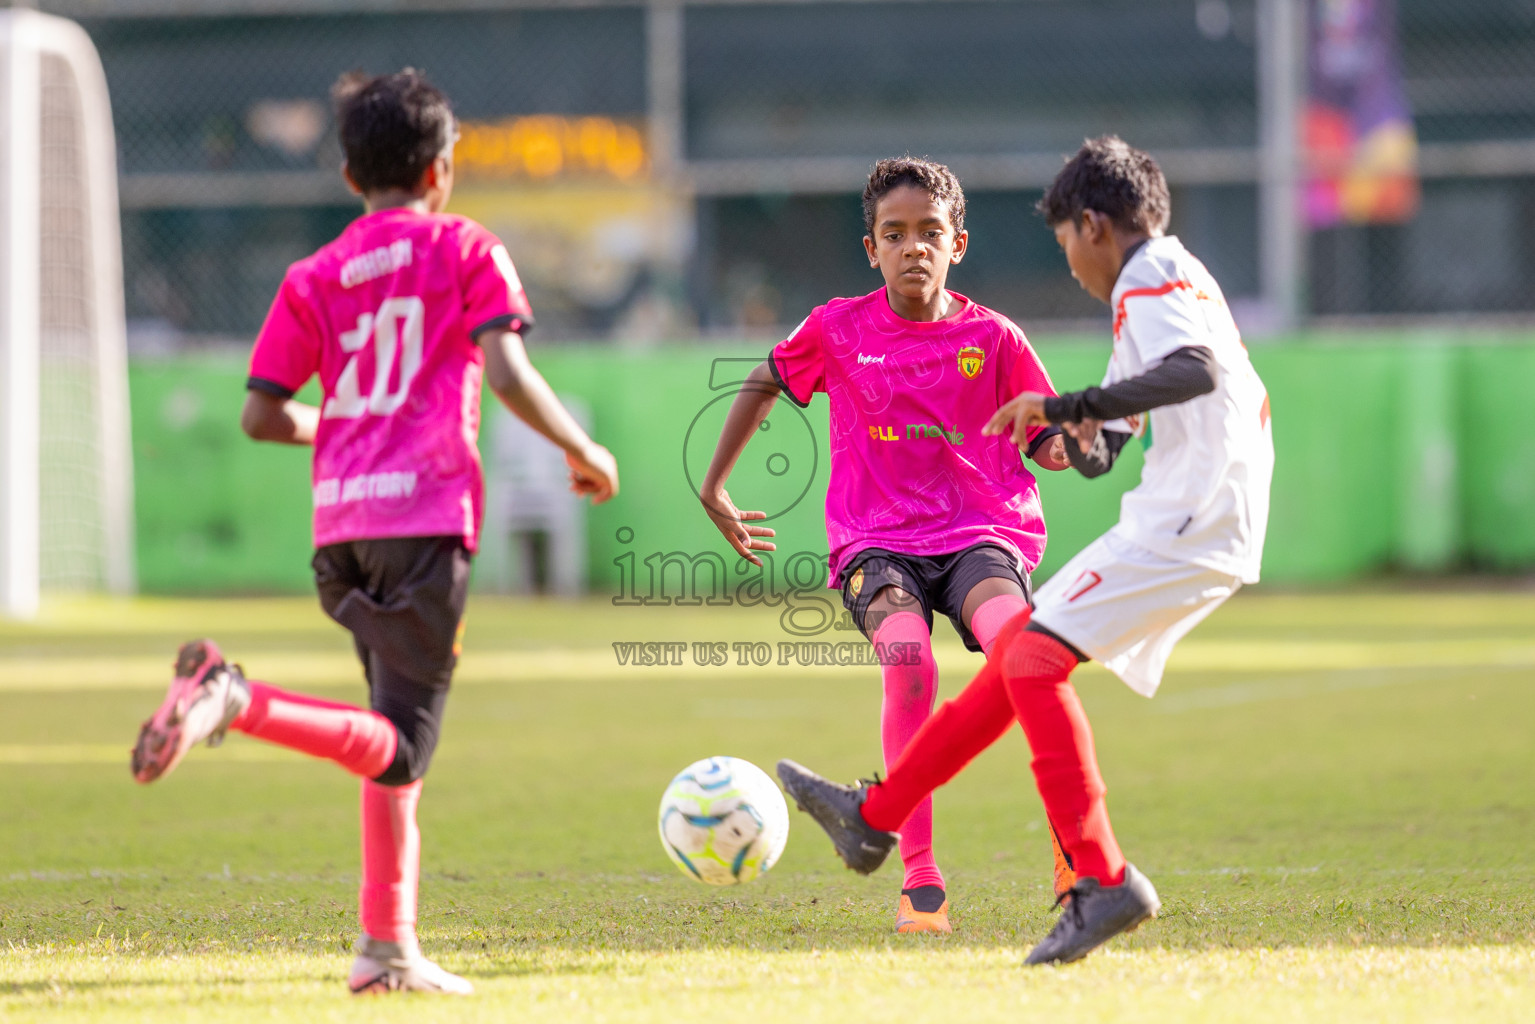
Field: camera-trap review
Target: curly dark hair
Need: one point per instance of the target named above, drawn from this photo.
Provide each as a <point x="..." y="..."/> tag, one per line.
<point x="392" y="127"/>
<point x="1112" y="177"/>
<point x="933" y="178"/>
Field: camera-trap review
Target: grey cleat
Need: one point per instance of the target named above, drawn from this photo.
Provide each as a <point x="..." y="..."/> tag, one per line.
<point x="399" y="967"/>
<point x="835" y="808"/>
<point x="206" y="695"/>
<point x="1094" y="914"/>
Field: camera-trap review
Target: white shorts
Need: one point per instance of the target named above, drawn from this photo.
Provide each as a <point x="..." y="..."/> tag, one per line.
<point x="1127" y="608"/>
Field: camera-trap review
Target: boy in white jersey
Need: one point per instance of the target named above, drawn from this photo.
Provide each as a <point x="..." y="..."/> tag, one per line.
<point x="400" y="317"/>
<point x="1188" y="537"/>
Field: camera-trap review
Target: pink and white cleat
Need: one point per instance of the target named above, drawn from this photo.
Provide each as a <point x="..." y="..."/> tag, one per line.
<point x="399" y="967"/>
<point x="204" y="698"/>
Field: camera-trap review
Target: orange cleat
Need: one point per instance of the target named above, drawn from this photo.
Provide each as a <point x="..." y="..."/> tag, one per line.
<point x="1065" y="877"/>
<point x="909" y="920"/>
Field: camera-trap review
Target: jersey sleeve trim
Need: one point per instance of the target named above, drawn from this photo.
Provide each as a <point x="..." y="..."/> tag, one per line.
<point x="783" y="385"/>
<point x="1040" y="439"/>
<point x="269" y="387"/>
<point x="517" y="323"/>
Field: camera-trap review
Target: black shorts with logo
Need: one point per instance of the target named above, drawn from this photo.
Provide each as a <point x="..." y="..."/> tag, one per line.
<point x="940" y="583"/>
<point x="402" y="599"/>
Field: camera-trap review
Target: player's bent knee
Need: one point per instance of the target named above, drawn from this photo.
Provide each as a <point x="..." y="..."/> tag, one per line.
<point x="416" y="743"/>
<point x="411" y="759"/>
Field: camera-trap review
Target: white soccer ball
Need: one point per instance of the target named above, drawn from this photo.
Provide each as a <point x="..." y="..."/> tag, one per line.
<point x="723" y="821"/>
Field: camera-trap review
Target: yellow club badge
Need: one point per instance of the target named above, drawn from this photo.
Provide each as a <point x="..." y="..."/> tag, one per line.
<point x="971" y="359"/>
<point x="856" y="583"/>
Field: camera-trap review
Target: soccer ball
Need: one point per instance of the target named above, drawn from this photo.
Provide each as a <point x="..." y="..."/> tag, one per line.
<point x="723" y="821"/>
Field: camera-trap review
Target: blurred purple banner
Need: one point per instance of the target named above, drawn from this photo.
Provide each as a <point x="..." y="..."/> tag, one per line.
<point x="1361" y="148"/>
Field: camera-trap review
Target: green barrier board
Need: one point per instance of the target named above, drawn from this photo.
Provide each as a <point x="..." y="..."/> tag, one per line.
<point x="1391" y="453"/>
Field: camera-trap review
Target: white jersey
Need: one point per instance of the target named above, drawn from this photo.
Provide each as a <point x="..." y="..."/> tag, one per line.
<point x="1204" y="491"/>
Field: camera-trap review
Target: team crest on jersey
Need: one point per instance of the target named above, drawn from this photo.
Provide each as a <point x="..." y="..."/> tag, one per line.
<point x="855" y="585"/>
<point x="971" y="359"/>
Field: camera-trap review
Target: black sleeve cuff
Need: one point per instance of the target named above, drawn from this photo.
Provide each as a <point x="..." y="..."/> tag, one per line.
<point x="269" y="387"/>
<point x="517" y="323"/>
<point x="1101" y="457"/>
<point x="783" y="386"/>
<point x="1185" y="374"/>
<point x="1040" y="441"/>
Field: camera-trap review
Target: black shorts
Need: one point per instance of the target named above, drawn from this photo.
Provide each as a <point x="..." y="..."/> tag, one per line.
<point x="940" y="583"/>
<point x="402" y="599"/>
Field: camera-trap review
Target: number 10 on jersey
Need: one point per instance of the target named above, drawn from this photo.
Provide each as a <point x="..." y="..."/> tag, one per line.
<point x="397" y="332"/>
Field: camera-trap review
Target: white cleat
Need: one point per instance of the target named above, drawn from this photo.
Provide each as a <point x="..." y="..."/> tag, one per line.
<point x="399" y="967"/>
<point x="204" y="698"/>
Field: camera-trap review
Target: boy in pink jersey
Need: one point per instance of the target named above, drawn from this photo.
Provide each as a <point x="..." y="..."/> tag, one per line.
<point x="401" y="317"/>
<point x="923" y="513"/>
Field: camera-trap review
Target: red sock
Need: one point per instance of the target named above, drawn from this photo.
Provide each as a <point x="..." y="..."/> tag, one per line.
<point x="391" y="861"/>
<point x="910" y="685"/>
<point x="1035" y="670"/>
<point x="361" y="741"/>
<point x="950" y="739"/>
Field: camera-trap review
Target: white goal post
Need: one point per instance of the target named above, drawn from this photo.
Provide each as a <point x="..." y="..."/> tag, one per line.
<point x="66" y="462"/>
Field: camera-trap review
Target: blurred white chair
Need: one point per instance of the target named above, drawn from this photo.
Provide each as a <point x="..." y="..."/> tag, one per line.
<point x="535" y="528"/>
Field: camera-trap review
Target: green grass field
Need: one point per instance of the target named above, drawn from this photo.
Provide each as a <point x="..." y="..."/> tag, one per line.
<point x="1335" y="795"/>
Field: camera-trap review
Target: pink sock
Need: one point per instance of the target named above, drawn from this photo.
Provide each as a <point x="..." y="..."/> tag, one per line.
<point x="911" y="684"/>
<point x="391" y="861"/>
<point x="363" y="742"/>
<point x="992" y="615"/>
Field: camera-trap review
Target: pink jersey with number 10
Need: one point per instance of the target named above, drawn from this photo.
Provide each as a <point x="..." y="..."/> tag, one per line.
<point x="387" y="315"/>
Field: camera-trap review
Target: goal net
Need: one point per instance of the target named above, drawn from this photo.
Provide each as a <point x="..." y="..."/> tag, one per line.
<point x="66" y="470"/>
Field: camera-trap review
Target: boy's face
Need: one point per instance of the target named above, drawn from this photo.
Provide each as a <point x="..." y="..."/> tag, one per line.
<point x="914" y="243"/>
<point x="1091" y="253"/>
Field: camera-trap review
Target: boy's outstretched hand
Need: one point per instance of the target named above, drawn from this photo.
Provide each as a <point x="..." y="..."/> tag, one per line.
<point x="593" y="471"/>
<point x="1024" y="411"/>
<point x="731" y="522"/>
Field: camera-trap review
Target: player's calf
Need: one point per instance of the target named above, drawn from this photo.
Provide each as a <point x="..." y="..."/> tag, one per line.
<point x="204" y="698"/>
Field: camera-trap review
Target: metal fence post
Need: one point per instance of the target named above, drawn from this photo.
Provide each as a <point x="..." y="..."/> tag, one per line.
<point x="1281" y="96"/>
<point x="663" y="76"/>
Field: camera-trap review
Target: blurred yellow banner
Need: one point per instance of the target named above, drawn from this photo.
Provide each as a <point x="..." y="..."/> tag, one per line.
<point x="547" y="146"/>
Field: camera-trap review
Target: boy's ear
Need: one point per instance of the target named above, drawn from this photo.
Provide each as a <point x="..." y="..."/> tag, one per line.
<point x="873" y="252"/>
<point x="961" y="243"/>
<point x="1096" y="227"/>
<point x="351" y="182"/>
<point x="435" y="175"/>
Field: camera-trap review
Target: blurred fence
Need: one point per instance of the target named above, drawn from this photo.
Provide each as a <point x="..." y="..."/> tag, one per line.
<point x="1383" y="461"/>
<point x="758" y="123"/>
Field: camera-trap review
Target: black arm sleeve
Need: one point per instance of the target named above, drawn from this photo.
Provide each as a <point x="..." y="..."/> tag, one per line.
<point x="1187" y="373"/>
<point x="1106" y="448"/>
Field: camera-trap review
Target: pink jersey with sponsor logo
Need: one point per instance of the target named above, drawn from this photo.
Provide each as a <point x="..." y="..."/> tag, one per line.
<point x="910" y="471"/>
<point x="387" y="315"/>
